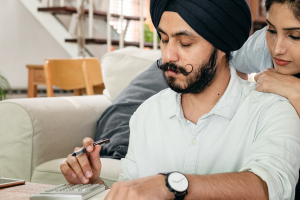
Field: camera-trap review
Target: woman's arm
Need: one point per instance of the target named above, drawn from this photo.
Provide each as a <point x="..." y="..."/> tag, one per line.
<point x="295" y="101"/>
<point x="284" y="85"/>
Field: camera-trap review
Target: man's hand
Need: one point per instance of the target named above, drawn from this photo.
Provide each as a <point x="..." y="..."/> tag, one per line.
<point x="84" y="168"/>
<point x="152" y="187"/>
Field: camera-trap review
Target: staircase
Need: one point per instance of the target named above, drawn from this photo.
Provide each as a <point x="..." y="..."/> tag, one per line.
<point x="100" y="35"/>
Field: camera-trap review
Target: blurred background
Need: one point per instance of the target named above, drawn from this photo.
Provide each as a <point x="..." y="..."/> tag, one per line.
<point x="35" y="30"/>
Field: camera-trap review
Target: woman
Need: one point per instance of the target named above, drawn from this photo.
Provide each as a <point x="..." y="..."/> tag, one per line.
<point x="275" y="49"/>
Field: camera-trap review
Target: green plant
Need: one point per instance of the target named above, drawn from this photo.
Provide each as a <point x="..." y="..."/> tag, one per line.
<point x="4" y="87"/>
<point x="148" y="35"/>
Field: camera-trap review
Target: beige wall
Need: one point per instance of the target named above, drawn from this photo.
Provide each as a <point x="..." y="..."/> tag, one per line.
<point x="23" y="41"/>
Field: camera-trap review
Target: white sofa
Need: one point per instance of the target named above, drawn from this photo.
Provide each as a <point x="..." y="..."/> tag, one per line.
<point x="36" y="135"/>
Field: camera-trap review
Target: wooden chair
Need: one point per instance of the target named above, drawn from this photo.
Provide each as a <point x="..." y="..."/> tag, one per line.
<point x="73" y="74"/>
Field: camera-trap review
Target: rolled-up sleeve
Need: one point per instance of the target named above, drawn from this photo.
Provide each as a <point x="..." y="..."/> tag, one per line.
<point x="274" y="155"/>
<point x="129" y="162"/>
<point x="254" y="56"/>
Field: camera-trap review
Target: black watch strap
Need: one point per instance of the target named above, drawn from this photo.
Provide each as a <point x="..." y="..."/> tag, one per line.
<point x="180" y="197"/>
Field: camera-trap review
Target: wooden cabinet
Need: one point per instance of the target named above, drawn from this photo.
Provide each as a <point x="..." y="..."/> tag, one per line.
<point x="258" y="14"/>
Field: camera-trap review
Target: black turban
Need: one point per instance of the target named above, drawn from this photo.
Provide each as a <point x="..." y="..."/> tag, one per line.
<point x="226" y="24"/>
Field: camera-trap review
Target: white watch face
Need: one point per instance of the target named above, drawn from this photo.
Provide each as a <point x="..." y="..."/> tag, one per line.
<point x="178" y="182"/>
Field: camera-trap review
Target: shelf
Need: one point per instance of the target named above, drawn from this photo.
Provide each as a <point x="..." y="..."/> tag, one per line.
<point x="72" y="10"/>
<point x="113" y="42"/>
<point x="260" y="20"/>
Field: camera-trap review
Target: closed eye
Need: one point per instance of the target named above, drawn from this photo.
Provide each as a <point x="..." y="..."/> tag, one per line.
<point x="294" y="38"/>
<point x="271" y="31"/>
<point x="185" y="45"/>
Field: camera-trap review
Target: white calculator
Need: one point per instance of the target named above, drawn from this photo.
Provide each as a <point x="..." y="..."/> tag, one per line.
<point x="69" y="191"/>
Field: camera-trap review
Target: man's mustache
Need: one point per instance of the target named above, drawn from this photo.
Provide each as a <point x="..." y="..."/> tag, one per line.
<point x="173" y="67"/>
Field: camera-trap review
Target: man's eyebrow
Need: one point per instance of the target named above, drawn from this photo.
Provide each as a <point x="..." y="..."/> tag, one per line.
<point x="286" y="29"/>
<point x="160" y="30"/>
<point x="186" y="33"/>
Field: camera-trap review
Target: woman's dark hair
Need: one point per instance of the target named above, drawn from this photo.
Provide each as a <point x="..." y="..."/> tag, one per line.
<point x="293" y="4"/>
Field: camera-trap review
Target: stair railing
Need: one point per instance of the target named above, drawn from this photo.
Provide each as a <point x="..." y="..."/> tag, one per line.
<point x="81" y="30"/>
<point x="108" y="28"/>
<point x="142" y="24"/>
<point x="49" y="3"/>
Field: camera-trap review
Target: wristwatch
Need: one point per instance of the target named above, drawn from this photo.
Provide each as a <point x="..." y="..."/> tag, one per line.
<point x="178" y="183"/>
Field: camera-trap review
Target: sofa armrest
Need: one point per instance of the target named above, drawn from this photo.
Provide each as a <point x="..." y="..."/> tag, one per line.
<point x="34" y="131"/>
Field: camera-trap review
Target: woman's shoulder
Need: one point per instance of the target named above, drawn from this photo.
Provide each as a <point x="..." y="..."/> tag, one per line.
<point x="254" y="56"/>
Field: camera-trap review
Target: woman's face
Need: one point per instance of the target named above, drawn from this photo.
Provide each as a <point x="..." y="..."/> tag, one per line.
<point x="283" y="39"/>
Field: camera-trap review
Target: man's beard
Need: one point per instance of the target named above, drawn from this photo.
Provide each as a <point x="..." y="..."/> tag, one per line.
<point x="198" y="82"/>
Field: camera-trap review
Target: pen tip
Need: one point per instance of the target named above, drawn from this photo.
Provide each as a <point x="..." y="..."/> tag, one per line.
<point x="73" y="154"/>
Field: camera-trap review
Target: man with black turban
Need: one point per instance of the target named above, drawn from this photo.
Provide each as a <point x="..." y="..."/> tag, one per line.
<point x="210" y="135"/>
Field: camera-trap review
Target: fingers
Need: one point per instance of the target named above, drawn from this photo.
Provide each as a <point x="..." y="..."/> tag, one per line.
<point x="266" y="83"/>
<point x="69" y="174"/>
<point x="95" y="158"/>
<point x="67" y="171"/>
<point x="83" y="168"/>
<point x="88" y="143"/>
<point x="118" y="191"/>
<point x="272" y="73"/>
<point x="93" y="154"/>
<point x="74" y="164"/>
<point x="257" y="76"/>
<point x="125" y="190"/>
<point x="261" y="83"/>
<point x="85" y="165"/>
<point x="271" y="70"/>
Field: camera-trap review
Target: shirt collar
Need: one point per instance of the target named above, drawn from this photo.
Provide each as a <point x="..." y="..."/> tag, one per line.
<point x="225" y="107"/>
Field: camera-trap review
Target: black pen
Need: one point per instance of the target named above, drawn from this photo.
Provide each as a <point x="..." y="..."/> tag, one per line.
<point x="99" y="142"/>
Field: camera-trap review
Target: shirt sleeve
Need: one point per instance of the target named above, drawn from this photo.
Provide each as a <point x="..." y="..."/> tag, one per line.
<point x="275" y="152"/>
<point x="128" y="163"/>
<point x="254" y="56"/>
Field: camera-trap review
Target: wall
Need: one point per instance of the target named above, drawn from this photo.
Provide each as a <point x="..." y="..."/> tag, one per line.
<point x="23" y="40"/>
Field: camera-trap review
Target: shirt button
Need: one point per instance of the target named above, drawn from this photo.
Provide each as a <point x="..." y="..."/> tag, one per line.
<point x="194" y="141"/>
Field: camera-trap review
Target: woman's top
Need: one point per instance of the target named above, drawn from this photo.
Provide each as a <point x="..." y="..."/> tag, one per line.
<point x="254" y="56"/>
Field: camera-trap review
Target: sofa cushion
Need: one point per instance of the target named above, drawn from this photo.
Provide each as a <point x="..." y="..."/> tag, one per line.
<point x="120" y="67"/>
<point x="114" y="121"/>
<point x="36" y="128"/>
<point x="49" y="172"/>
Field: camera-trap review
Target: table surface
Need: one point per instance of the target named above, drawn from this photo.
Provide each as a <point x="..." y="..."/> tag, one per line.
<point x="23" y="192"/>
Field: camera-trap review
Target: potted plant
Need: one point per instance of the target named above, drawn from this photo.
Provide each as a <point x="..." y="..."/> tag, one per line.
<point x="4" y="87"/>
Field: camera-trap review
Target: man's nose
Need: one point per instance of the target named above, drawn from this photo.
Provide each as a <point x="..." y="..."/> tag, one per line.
<point x="170" y="54"/>
<point x="279" y="47"/>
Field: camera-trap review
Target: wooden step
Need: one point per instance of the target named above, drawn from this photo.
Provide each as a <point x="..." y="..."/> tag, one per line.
<point x="113" y="42"/>
<point x="71" y="10"/>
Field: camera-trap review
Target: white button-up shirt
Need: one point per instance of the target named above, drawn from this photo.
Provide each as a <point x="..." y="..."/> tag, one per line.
<point x="245" y="131"/>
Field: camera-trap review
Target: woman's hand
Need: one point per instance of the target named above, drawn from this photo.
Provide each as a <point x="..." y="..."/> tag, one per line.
<point x="284" y="85"/>
<point x="272" y="82"/>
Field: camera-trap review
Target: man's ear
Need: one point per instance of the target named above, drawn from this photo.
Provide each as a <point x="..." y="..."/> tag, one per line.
<point x="221" y="57"/>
